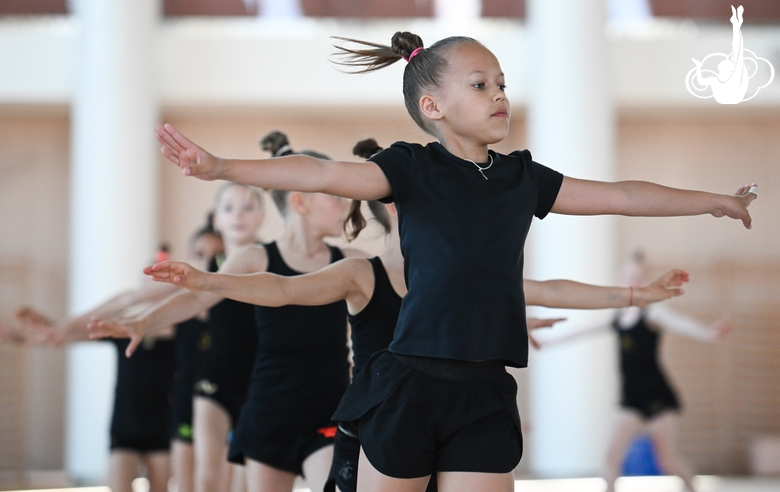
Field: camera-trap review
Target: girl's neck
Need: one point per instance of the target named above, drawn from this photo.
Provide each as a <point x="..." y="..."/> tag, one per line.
<point x="299" y="239"/>
<point x="232" y="246"/>
<point x="392" y="257"/>
<point x="464" y="149"/>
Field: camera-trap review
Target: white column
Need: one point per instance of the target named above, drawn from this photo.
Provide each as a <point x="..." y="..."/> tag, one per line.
<point x="113" y="199"/>
<point x="571" y="129"/>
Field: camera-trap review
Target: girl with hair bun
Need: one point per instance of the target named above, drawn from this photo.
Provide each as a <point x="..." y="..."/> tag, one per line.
<point x="440" y="400"/>
<point x="300" y="368"/>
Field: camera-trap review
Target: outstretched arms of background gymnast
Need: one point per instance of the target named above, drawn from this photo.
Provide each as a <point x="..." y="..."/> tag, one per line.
<point x="366" y="181"/>
<point x="347" y="279"/>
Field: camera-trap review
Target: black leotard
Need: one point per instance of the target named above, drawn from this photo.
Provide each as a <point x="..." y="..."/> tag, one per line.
<point x="142" y="410"/>
<point x="226" y="364"/>
<point x="190" y="337"/>
<point x="300" y="373"/>
<point x="373" y="327"/>
<point x="644" y="385"/>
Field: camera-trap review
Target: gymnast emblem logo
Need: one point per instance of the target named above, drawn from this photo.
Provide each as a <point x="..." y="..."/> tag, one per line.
<point x="730" y="84"/>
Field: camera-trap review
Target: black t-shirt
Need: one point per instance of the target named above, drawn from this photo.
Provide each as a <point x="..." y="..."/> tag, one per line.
<point x="462" y="237"/>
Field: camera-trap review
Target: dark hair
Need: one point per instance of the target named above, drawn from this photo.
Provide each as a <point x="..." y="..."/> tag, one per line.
<point x="355" y="221"/>
<point x="423" y="71"/>
<point x="206" y="230"/>
<point x="278" y="145"/>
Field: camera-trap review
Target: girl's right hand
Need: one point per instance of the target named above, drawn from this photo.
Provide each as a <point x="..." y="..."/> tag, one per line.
<point x="666" y="286"/>
<point x="134" y="330"/>
<point x="178" y="273"/>
<point x="192" y="159"/>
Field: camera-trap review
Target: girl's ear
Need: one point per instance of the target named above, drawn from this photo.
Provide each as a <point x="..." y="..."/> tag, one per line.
<point x="297" y="201"/>
<point x="429" y="108"/>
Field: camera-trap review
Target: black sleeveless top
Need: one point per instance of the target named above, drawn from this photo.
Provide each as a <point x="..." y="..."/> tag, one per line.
<point x="301" y="352"/>
<point x="230" y="335"/>
<point x="644" y="386"/>
<point x="143" y="387"/>
<point x="373" y="327"/>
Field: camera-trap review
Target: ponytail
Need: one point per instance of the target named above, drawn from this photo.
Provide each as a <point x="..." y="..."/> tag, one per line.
<point x="425" y="68"/>
<point x="355" y="221"/>
<point x="278" y="145"/>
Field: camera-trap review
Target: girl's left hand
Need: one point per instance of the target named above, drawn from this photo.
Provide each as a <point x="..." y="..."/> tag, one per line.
<point x="736" y="205"/>
<point x="666" y="286"/>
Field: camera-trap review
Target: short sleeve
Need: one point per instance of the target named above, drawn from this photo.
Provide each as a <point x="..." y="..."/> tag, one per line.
<point x="396" y="163"/>
<point x="546" y="181"/>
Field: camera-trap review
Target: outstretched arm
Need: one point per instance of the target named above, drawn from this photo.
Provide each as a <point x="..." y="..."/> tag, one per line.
<point x="178" y="307"/>
<point x="75" y="328"/>
<point x="357" y="180"/>
<point x="155" y="321"/>
<point x="349" y="279"/>
<point x="574" y="295"/>
<point x="644" y="199"/>
<point x="670" y="320"/>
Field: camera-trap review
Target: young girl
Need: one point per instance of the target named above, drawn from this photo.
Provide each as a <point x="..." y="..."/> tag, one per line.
<point x="648" y="401"/>
<point x="191" y="339"/>
<point x="440" y="400"/>
<point x="140" y="421"/>
<point x="301" y="369"/>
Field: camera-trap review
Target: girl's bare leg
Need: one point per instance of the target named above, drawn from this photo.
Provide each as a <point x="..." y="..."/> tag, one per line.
<point x="629" y="425"/>
<point x="122" y="470"/>
<point x="663" y="432"/>
<point x="371" y="480"/>
<point x="183" y="465"/>
<point x="263" y="478"/>
<point x="158" y="470"/>
<point x="238" y="478"/>
<point x="211" y="425"/>
<point x="316" y="467"/>
<point x="467" y="481"/>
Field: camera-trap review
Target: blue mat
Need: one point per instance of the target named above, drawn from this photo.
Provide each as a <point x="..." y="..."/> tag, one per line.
<point x="640" y="459"/>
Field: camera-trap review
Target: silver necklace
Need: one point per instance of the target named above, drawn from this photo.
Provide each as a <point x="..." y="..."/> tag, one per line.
<point x="482" y="169"/>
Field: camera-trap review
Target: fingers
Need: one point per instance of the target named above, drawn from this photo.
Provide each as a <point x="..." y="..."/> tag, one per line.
<point x="101" y="329"/>
<point x="180" y="140"/>
<point x="166" y="136"/>
<point x="135" y="341"/>
<point x="534" y="343"/>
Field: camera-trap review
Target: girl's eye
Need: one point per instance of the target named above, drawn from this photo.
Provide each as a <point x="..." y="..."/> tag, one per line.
<point x="479" y="85"/>
<point x="502" y="87"/>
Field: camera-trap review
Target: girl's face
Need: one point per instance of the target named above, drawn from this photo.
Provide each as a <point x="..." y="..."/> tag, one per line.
<point x="326" y="212"/>
<point x="239" y="215"/>
<point x="471" y="103"/>
<point x="206" y="246"/>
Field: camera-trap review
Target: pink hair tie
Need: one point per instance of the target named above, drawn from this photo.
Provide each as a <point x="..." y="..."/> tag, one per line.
<point x="413" y="54"/>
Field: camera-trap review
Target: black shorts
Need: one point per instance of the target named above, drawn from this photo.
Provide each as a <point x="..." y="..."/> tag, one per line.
<point x="279" y="441"/>
<point x="181" y="409"/>
<point x="141" y="444"/>
<point x="343" y="470"/>
<point x="225" y="393"/>
<point x="412" y="423"/>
